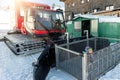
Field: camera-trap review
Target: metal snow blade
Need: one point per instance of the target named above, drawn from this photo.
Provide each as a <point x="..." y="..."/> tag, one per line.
<point x="21" y="45"/>
<point x="43" y="64"/>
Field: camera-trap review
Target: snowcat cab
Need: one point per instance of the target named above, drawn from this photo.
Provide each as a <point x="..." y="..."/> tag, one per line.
<point x="39" y="20"/>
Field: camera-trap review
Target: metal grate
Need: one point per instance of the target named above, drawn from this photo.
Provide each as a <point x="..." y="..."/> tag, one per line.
<point x="68" y="61"/>
<point x="104" y="60"/>
<point x="71" y="59"/>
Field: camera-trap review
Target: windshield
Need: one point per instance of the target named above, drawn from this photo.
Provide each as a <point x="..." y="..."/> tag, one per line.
<point x="47" y="17"/>
<point x="48" y="14"/>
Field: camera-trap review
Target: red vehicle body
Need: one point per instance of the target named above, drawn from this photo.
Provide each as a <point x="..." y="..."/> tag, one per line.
<point x="37" y="19"/>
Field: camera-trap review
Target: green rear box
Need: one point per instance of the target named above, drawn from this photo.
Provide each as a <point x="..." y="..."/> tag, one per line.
<point x="109" y="29"/>
<point x="77" y="27"/>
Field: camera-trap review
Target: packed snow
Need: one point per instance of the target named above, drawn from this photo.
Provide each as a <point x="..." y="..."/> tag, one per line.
<point x="114" y="74"/>
<point x="14" y="67"/>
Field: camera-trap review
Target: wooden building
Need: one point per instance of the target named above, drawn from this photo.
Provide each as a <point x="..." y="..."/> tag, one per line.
<point x="99" y="7"/>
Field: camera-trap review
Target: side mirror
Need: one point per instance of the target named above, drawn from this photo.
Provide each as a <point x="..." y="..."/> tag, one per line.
<point x="59" y="10"/>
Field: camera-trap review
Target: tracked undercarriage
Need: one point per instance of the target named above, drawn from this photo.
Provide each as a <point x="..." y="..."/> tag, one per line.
<point x="23" y="45"/>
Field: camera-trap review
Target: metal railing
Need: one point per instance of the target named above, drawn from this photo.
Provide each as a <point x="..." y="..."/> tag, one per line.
<point x="67" y="60"/>
<point x="72" y="58"/>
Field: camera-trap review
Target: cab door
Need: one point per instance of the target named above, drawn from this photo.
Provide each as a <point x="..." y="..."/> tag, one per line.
<point x="29" y="20"/>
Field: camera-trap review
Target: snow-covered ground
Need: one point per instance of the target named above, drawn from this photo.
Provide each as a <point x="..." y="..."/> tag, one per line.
<point x="114" y="74"/>
<point x="14" y="67"/>
<point x="59" y="75"/>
